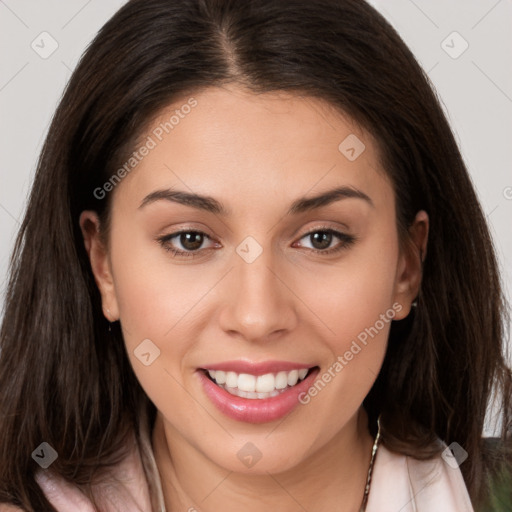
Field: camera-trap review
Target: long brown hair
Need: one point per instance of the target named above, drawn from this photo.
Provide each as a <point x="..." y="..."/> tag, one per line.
<point x="66" y="380"/>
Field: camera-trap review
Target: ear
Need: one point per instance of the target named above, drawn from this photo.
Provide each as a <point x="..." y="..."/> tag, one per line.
<point x="100" y="263"/>
<point x="410" y="265"/>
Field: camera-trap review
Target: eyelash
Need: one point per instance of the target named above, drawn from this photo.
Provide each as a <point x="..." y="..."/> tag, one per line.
<point x="347" y="240"/>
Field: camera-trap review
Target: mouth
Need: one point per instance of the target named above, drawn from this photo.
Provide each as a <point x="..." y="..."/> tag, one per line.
<point x="256" y="393"/>
<point x="257" y="387"/>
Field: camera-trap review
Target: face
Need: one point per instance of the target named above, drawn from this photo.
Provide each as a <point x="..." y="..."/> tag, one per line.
<point x="269" y="278"/>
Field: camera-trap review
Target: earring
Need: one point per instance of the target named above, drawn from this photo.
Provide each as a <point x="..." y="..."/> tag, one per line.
<point x="414" y="304"/>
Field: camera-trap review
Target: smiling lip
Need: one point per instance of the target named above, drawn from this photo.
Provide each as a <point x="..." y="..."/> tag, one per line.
<point x="257" y="369"/>
<point x="256" y="410"/>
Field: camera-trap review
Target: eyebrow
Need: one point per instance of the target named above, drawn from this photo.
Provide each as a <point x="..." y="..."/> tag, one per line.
<point x="301" y="205"/>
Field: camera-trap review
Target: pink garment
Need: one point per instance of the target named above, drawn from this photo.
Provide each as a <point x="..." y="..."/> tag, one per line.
<point x="133" y="487"/>
<point x="404" y="484"/>
<point x="399" y="484"/>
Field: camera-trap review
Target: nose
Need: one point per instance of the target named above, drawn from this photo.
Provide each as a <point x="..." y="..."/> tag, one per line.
<point x="260" y="303"/>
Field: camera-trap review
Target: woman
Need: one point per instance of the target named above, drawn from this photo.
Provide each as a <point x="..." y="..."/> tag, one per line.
<point x="253" y="273"/>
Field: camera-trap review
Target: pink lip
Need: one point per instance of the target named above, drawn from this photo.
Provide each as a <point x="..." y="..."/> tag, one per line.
<point x="256" y="410"/>
<point x="257" y="368"/>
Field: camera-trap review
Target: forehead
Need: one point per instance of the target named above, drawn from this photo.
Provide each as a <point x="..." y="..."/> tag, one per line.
<point x="252" y="148"/>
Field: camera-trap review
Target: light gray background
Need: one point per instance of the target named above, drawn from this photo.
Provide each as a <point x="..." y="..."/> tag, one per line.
<point x="475" y="87"/>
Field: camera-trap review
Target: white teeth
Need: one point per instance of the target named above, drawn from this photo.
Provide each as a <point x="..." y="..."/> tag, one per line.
<point x="265" y="383"/>
<point x="247" y="394"/>
<point x="220" y="377"/>
<point x="281" y="380"/>
<point x="293" y="377"/>
<point x="261" y="386"/>
<point x="231" y="380"/>
<point x="246" y="382"/>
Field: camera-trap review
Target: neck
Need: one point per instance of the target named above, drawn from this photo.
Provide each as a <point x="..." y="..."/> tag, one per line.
<point x="331" y="478"/>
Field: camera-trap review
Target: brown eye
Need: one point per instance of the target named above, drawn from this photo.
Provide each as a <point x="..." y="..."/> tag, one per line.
<point x="185" y="243"/>
<point x="321" y="239"/>
<point x="191" y="240"/>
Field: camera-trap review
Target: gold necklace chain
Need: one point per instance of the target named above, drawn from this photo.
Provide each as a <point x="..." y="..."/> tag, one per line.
<point x="369" y="477"/>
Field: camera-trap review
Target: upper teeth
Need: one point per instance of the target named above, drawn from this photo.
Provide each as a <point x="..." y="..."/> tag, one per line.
<point x="259" y="384"/>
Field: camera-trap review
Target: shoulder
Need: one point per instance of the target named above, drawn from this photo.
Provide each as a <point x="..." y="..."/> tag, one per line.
<point x="120" y="487"/>
<point x="61" y="494"/>
<point x="402" y="483"/>
<point x="4" y="507"/>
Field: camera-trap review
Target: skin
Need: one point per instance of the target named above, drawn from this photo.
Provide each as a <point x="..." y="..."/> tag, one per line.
<point x="256" y="154"/>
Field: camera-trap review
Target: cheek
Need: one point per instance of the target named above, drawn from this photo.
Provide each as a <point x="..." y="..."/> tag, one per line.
<point x="152" y="293"/>
<point x="157" y="304"/>
<point x="355" y="302"/>
<point x="351" y="295"/>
